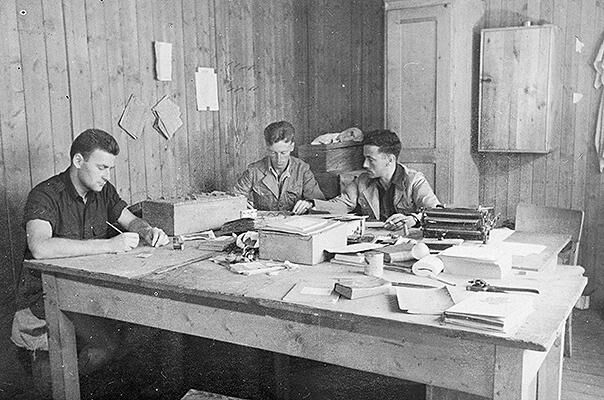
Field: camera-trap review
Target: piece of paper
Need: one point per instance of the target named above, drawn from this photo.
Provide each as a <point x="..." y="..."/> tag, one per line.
<point x="577" y="97"/>
<point x="132" y="120"/>
<point x="579" y="45"/>
<point x="168" y="117"/>
<point x="423" y="300"/>
<point x="163" y="61"/>
<point x="206" y="87"/>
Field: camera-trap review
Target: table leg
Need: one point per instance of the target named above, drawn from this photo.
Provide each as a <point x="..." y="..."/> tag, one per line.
<point x="61" y="344"/>
<point x="549" y="377"/>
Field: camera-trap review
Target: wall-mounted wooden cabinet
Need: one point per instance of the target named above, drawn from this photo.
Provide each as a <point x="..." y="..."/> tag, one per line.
<point x="520" y="89"/>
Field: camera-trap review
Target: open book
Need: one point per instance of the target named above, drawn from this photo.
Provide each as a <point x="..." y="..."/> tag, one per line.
<point x="300" y="225"/>
<point x="499" y="312"/>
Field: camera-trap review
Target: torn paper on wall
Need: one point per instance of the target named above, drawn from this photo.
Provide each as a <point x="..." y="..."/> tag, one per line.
<point x="206" y="86"/>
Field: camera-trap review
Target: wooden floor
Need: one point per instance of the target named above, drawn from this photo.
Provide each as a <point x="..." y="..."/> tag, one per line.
<point x="583" y="376"/>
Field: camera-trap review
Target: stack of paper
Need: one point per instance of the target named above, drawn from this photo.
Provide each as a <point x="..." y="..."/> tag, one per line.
<point x="314" y="293"/>
<point x="305" y="226"/>
<point x="167" y="115"/>
<point x="485" y="262"/>
<point x="499" y="312"/>
<point x="357" y="259"/>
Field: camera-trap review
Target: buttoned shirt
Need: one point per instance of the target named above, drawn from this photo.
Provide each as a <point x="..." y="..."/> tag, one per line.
<point x="57" y="202"/>
<point x="266" y="190"/>
<point x="412" y="192"/>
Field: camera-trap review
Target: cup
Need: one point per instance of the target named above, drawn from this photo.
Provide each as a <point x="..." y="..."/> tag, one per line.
<point x="374" y="264"/>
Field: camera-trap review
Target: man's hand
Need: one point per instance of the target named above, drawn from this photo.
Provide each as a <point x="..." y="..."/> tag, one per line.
<point x="302" y="206"/>
<point x="124" y="242"/>
<point x="398" y="221"/>
<point x="155" y="237"/>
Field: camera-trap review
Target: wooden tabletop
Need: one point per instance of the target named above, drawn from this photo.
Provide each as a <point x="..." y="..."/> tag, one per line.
<point x="210" y="282"/>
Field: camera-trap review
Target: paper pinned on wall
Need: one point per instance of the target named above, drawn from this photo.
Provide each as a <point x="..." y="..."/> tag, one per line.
<point x="206" y="86"/>
<point x="168" y="117"/>
<point x="133" y="117"/>
<point x="579" y="45"/>
<point x="163" y="61"/>
<point x="577" y="97"/>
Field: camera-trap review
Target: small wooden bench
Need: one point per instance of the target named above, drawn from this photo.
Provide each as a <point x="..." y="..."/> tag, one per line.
<point x="193" y="394"/>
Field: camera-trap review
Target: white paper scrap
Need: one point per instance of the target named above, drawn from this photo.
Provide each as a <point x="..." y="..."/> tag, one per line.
<point x="163" y="61"/>
<point x="206" y="86"/>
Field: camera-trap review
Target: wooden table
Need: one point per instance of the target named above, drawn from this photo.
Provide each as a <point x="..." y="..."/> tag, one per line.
<point x="370" y="334"/>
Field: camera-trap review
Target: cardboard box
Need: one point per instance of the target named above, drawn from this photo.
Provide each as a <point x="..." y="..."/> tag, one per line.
<point x="205" y="211"/>
<point x="347" y="156"/>
<point x="300" y="249"/>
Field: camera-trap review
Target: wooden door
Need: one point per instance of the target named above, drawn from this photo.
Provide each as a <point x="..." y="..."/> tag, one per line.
<point x="418" y="89"/>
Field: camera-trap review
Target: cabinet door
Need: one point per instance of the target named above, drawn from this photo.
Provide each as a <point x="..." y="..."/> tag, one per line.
<point x="417" y="89"/>
<point x="516" y="103"/>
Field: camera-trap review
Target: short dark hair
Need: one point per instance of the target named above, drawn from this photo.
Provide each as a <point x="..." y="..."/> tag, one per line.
<point x="385" y="140"/>
<point x="91" y="140"/>
<point x="278" y="131"/>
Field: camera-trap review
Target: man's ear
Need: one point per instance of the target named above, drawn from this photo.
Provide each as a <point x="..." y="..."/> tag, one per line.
<point x="78" y="160"/>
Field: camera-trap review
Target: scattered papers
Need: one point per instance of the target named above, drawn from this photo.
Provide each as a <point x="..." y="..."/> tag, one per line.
<point x="167" y="115"/>
<point x="423" y="300"/>
<point x="312" y="293"/>
<point x="254" y="268"/>
<point x="132" y="120"/>
<point x="206" y="89"/>
<point x="163" y="61"/>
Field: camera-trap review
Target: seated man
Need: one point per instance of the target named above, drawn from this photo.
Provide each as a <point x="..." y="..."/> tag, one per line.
<point x="68" y="215"/>
<point x="279" y="182"/>
<point x="388" y="191"/>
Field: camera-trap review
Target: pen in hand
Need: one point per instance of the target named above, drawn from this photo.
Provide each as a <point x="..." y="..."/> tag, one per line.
<point x="114" y="227"/>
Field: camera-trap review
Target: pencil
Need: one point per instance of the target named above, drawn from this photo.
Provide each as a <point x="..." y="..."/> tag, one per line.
<point x="113" y="226"/>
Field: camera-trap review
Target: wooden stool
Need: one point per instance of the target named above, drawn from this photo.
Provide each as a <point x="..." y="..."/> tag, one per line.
<point x="193" y="394"/>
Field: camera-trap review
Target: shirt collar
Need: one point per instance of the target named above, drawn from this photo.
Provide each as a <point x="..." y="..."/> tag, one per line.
<point x="284" y="174"/>
<point x="396" y="180"/>
<point x="70" y="188"/>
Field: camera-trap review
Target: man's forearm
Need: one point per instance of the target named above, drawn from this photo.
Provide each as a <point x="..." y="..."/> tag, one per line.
<point x="61" y="247"/>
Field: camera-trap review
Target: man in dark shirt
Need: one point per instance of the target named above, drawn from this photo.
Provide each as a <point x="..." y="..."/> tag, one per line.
<point x="387" y="191"/>
<point x="67" y="215"/>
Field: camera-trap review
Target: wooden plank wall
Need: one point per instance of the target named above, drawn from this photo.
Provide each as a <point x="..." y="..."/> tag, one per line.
<point x="70" y="65"/>
<point x="568" y="176"/>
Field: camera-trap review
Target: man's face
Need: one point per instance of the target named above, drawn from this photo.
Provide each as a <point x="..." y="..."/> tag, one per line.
<point x="94" y="172"/>
<point x="376" y="163"/>
<point x="279" y="154"/>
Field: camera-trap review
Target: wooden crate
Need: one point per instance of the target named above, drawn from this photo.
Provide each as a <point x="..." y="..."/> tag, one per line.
<point x="333" y="157"/>
<point x="206" y="211"/>
<point x="300" y="249"/>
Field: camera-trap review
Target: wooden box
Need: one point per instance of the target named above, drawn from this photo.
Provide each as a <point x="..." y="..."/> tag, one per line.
<point x="333" y="157"/>
<point x="520" y="89"/>
<point x="203" y="212"/>
<point x="300" y="249"/>
<point x="333" y="182"/>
